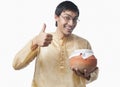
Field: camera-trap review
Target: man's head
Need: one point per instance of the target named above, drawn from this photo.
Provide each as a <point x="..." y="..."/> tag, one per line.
<point x="66" y="16"/>
<point x="66" y="5"/>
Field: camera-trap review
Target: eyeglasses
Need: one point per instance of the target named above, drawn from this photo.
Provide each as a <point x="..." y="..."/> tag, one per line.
<point x="67" y="18"/>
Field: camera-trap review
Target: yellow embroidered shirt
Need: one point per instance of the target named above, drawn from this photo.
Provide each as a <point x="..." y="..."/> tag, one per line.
<point x="52" y="66"/>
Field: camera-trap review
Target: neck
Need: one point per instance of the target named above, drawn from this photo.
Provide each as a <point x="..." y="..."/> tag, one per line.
<point x="61" y="35"/>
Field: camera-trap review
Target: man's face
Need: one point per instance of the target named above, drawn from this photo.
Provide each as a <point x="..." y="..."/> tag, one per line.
<point x="66" y="22"/>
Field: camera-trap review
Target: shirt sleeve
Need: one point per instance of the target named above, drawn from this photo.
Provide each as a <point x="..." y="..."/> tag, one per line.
<point x="93" y="76"/>
<point x="24" y="56"/>
<point x="89" y="46"/>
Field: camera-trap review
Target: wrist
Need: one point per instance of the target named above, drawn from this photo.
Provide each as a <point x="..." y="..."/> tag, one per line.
<point x="34" y="44"/>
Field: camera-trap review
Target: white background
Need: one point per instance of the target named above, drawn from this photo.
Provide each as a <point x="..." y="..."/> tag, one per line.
<point x="21" y="20"/>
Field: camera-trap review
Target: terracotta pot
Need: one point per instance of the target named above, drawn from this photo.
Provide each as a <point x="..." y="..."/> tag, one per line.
<point x="81" y="63"/>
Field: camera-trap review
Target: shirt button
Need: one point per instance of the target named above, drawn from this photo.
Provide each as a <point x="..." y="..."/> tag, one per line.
<point x="62" y="67"/>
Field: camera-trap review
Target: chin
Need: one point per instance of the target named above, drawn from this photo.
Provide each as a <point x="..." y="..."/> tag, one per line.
<point x="67" y="34"/>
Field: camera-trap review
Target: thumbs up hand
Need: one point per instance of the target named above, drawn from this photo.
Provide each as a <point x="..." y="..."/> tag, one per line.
<point x="43" y="39"/>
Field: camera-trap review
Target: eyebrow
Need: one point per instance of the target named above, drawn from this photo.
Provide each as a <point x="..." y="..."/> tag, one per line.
<point x="70" y="15"/>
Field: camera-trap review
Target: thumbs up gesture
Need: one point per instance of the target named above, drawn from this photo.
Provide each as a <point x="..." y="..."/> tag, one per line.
<point x="43" y="39"/>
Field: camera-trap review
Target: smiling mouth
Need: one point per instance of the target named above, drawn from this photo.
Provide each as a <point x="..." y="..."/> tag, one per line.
<point x="69" y="29"/>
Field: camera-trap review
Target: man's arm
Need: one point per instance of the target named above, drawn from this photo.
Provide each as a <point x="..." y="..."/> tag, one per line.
<point x="30" y="51"/>
<point x="24" y="56"/>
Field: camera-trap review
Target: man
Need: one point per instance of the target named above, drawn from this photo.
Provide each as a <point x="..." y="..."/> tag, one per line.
<point x="52" y="51"/>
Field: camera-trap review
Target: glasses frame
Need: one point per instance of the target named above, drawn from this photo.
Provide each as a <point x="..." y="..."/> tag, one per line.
<point x="68" y="18"/>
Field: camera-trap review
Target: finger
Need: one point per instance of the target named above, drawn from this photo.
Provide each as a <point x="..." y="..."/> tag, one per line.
<point x="46" y="43"/>
<point x="85" y="72"/>
<point x="94" y="70"/>
<point x="48" y="39"/>
<point x="74" y="70"/>
<point x="78" y="72"/>
<point x="49" y="35"/>
<point x="43" y="28"/>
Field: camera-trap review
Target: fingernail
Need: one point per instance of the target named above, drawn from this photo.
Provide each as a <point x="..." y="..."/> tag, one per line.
<point x="76" y="68"/>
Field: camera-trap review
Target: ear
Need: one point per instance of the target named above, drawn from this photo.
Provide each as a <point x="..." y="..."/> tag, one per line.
<point x="56" y="17"/>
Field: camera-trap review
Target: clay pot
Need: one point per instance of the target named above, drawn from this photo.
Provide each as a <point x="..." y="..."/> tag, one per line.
<point x="81" y="63"/>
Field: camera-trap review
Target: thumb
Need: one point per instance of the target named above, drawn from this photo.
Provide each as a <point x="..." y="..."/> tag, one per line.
<point x="43" y="28"/>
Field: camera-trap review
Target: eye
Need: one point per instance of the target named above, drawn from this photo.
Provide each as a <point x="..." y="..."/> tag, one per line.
<point x="67" y="18"/>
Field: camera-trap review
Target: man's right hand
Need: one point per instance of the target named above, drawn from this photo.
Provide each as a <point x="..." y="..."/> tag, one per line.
<point x="43" y="39"/>
<point x="86" y="74"/>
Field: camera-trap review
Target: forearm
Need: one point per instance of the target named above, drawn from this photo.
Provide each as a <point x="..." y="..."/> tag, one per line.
<point x="24" y="56"/>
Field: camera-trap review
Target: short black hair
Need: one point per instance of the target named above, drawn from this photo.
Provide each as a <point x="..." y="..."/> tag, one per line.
<point x="66" y="5"/>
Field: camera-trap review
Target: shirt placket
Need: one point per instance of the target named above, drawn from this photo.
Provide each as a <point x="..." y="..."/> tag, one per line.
<point x="62" y="55"/>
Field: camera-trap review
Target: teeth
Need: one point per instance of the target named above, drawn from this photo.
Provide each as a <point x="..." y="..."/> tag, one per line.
<point x="69" y="28"/>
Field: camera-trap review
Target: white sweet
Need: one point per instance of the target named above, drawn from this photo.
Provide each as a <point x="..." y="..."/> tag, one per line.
<point x="85" y="53"/>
